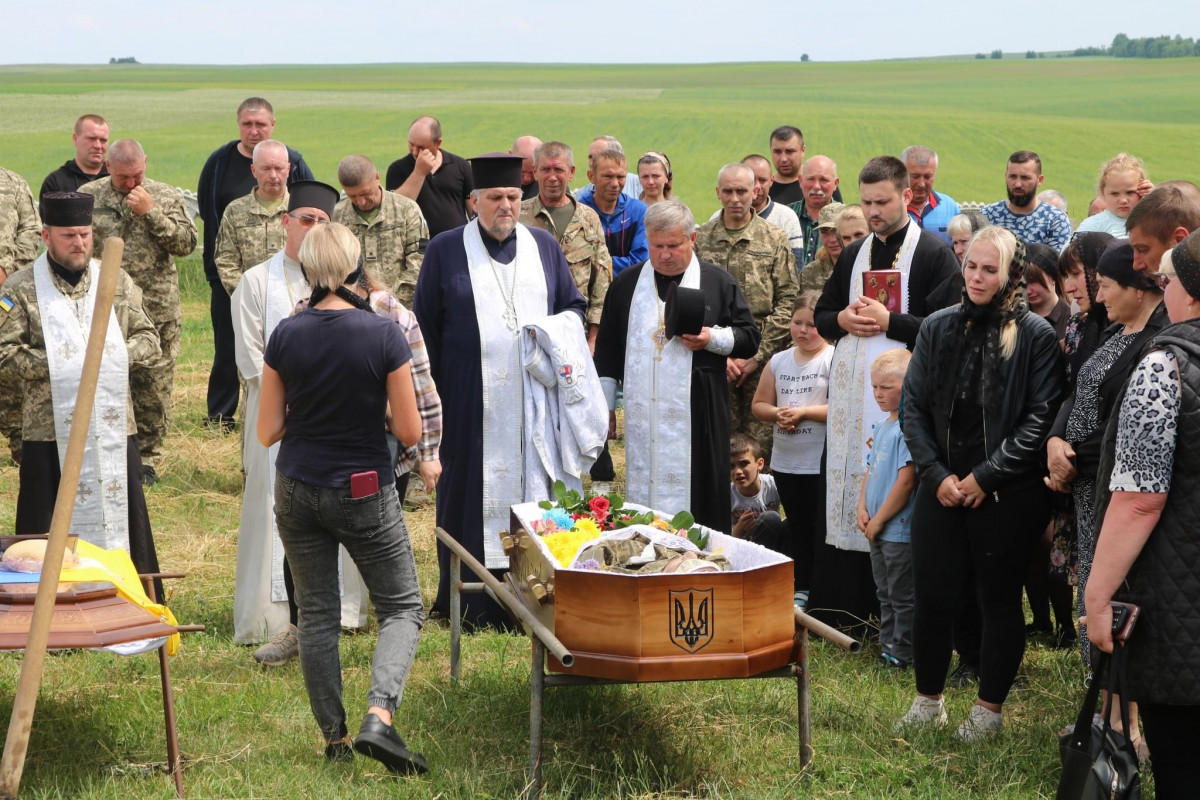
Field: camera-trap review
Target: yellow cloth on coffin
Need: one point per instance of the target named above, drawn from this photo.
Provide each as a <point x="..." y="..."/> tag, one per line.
<point x="115" y="567"/>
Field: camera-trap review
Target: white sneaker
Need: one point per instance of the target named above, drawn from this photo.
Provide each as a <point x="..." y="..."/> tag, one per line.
<point x="979" y="723"/>
<point x="923" y="711"/>
<point x="280" y="650"/>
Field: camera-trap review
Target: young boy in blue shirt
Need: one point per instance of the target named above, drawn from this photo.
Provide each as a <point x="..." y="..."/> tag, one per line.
<point x="885" y="512"/>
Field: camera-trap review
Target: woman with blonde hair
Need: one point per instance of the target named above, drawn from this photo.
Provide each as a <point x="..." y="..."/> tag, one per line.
<point x="333" y="486"/>
<point x="981" y="392"/>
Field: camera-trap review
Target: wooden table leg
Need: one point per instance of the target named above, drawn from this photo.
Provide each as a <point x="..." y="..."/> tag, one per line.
<point x="174" y="764"/>
<point x="804" y="720"/>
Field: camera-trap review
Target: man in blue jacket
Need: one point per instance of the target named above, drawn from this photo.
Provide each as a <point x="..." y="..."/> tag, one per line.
<point x="226" y="177"/>
<point x="620" y="214"/>
<point x="931" y="210"/>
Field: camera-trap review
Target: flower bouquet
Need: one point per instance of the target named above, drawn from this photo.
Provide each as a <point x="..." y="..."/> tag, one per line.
<point x="571" y="521"/>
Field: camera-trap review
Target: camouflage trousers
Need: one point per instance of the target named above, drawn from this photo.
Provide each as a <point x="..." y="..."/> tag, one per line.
<point x="150" y="389"/>
<point x="741" y="399"/>
<point x="12" y="393"/>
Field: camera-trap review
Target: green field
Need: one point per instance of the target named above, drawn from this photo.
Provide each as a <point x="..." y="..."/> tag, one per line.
<point x="1075" y="112"/>
<point x="246" y="733"/>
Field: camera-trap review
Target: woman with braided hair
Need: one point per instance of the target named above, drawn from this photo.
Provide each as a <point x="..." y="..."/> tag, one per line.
<point x="980" y="394"/>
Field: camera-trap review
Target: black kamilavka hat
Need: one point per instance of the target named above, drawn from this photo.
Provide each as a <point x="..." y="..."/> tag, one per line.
<point x="312" y="194"/>
<point x="684" y="312"/>
<point x="67" y="209"/>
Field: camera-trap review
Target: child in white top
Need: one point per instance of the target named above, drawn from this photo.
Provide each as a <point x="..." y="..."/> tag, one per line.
<point x="793" y="394"/>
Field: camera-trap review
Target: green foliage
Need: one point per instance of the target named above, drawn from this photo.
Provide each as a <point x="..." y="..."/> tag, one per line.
<point x="997" y="54"/>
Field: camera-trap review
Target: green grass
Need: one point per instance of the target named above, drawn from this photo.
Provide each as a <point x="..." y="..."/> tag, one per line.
<point x="1075" y="112"/>
<point x="247" y="733"/>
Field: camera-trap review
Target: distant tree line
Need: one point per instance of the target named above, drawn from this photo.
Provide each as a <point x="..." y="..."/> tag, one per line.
<point x="1145" y="47"/>
<point x="126" y="60"/>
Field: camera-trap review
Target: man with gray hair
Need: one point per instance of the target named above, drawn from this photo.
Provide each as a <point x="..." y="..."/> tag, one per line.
<point x="389" y="226"/>
<point x="524" y="146"/>
<point x="637" y="351"/>
<point x="758" y="256"/>
<point x="252" y="226"/>
<point x="819" y="182"/>
<point x="931" y="210"/>
<point x="1055" y="198"/>
<point x="152" y="219"/>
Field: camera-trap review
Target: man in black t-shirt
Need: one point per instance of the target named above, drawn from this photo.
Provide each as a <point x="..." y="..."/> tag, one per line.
<point x="226" y="177"/>
<point x="437" y="179"/>
<point x="91" y="147"/>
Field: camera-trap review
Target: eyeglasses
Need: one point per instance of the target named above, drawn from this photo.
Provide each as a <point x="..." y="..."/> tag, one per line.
<point x="307" y="220"/>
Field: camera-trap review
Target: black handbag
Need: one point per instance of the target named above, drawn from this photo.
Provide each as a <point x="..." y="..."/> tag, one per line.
<point x="1100" y="763"/>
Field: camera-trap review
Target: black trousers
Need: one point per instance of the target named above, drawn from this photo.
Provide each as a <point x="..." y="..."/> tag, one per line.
<point x="223" y="384"/>
<point x="1173" y="739"/>
<point x="997" y="540"/>
<point x="803" y="499"/>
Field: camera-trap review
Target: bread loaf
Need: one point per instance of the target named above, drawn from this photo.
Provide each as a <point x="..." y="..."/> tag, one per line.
<point x="28" y="556"/>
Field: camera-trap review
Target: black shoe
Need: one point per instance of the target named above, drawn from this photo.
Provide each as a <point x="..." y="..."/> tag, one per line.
<point x="1065" y="639"/>
<point x="382" y="743"/>
<point x="149" y="475"/>
<point x="1033" y="630"/>
<point x="339" y="751"/>
<point x="965" y="675"/>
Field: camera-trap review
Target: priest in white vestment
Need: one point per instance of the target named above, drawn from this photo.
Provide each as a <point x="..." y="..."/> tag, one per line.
<point x="263" y="605"/>
<point x="479" y="285"/>
<point x="927" y="278"/>
<point x="45" y="319"/>
<point x="675" y="386"/>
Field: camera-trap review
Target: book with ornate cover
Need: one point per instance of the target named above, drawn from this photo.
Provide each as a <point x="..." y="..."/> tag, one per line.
<point x="885" y="286"/>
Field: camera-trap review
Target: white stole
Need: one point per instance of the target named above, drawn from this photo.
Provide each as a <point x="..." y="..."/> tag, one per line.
<point x="101" y="513"/>
<point x="658" y="399"/>
<point x="523" y="283"/>
<point x="279" y="303"/>
<point x="852" y="407"/>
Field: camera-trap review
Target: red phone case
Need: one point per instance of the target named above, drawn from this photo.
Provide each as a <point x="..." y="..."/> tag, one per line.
<point x="364" y="484"/>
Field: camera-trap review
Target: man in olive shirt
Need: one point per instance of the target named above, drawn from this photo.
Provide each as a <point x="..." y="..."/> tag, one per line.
<point x="20" y="232"/>
<point x="758" y="256"/>
<point x="389" y="226"/>
<point x="576" y="227"/>
<point x="252" y="226"/>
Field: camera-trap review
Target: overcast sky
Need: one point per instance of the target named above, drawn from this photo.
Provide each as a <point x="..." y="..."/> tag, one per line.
<point x="614" y="31"/>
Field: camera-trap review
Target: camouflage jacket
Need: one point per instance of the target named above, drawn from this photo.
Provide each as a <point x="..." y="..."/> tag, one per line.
<point x="23" y="347"/>
<point x="151" y="241"/>
<point x="816" y="272"/>
<point x="761" y="261"/>
<point x="583" y="245"/>
<point x="20" y="226"/>
<point x="393" y="243"/>
<point x="249" y="235"/>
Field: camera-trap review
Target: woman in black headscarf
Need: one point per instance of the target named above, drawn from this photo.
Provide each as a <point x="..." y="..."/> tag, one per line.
<point x="1077" y="266"/>
<point x="981" y="392"/>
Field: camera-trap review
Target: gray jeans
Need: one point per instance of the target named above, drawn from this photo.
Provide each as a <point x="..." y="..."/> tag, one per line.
<point x="891" y="564"/>
<point x="313" y="521"/>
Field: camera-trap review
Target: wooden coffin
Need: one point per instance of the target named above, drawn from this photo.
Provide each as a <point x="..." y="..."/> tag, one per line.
<point x="664" y="626"/>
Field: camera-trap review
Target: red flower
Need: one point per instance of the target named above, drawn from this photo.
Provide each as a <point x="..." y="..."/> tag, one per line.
<point x="599" y="505"/>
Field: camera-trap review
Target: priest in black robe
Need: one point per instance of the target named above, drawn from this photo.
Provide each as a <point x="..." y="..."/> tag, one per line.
<point x="491" y="262"/>
<point x="675" y="386"/>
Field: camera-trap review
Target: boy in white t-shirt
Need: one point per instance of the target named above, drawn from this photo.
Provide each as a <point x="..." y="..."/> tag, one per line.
<point x="755" y="500"/>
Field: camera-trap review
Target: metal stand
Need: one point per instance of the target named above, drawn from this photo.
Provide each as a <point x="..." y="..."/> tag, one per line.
<point x="543" y="642"/>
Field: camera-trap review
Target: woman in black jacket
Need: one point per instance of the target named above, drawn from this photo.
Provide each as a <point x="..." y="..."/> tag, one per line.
<point x="980" y="395"/>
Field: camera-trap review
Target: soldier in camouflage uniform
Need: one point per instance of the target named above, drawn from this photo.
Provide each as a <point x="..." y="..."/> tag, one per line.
<point x="817" y="272"/>
<point x="252" y="226"/>
<point x="389" y="226"/>
<point x="68" y="238"/>
<point x="576" y="227"/>
<point x="151" y="218"/>
<point x="760" y="259"/>
<point x="20" y="230"/>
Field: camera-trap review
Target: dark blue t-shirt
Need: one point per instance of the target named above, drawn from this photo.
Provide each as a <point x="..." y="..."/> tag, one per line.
<point x="334" y="366"/>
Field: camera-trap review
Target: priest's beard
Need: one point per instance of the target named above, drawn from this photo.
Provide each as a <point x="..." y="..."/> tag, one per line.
<point x="1019" y="200"/>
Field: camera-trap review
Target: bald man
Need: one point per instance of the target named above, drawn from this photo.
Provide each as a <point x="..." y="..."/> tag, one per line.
<point x="438" y="180"/>
<point x="252" y="226"/>
<point x="819" y="181"/>
<point x="524" y="147"/>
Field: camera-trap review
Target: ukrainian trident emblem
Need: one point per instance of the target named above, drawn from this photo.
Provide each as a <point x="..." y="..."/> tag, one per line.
<point x="691" y="615"/>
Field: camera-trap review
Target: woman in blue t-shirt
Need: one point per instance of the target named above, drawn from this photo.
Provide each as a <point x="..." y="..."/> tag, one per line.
<point x="335" y="376"/>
